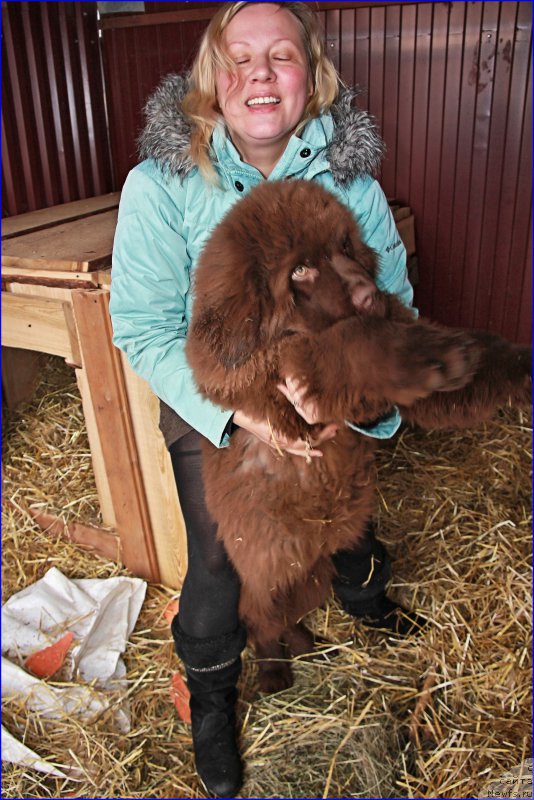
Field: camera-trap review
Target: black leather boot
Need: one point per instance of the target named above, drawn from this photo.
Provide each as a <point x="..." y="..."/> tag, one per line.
<point x="360" y="586"/>
<point x="213" y="666"/>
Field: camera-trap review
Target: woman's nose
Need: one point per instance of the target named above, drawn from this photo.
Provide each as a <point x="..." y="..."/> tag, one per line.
<point x="261" y="70"/>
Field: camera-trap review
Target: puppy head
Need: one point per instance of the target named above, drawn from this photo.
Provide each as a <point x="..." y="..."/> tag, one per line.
<point x="286" y="258"/>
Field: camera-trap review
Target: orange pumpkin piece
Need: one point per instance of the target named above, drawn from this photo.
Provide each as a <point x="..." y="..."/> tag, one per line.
<point x="171" y="610"/>
<point x="46" y="662"/>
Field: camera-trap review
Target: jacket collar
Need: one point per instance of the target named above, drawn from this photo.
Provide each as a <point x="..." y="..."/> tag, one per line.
<point x="351" y="144"/>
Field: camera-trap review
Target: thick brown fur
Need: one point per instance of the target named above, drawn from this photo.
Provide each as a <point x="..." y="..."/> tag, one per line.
<point x="285" y="286"/>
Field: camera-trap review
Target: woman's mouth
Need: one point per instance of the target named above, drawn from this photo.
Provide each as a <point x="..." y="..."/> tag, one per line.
<point x="263" y="101"/>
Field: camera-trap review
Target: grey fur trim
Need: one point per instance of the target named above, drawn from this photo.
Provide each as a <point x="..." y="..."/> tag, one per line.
<point x="167" y="132"/>
<point x="356" y="148"/>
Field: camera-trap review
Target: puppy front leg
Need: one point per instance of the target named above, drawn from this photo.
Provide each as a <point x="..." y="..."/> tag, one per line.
<point x="503" y="375"/>
<point x="361" y="366"/>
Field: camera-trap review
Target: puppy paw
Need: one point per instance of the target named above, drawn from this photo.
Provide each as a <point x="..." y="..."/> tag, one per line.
<point x="432" y="360"/>
<point x="275" y="678"/>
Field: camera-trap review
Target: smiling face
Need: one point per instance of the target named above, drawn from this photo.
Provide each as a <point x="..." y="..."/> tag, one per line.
<point x="263" y="99"/>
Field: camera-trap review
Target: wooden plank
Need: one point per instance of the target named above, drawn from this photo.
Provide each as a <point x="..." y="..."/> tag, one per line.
<point x="73" y="335"/>
<point x="34" y="290"/>
<point x="102" y="363"/>
<point x="104" y="277"/>
<point x="21" y="370"/>
<point x="100" y="542"/>
<point x="79" y="246"/>
<point x="99" y="467"/>
<point x="37" y="323"/>
<point x="165" y="514"/>
<point x="49" y="277"/>
<point x="66" y="212"/>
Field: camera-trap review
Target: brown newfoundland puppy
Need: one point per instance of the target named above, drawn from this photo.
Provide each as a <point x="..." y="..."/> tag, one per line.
<point x="285" y="287"/>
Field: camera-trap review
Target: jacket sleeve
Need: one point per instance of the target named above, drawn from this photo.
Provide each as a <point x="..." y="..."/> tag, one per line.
<point x="150" y="282"/>
<point x="373" y="214"/>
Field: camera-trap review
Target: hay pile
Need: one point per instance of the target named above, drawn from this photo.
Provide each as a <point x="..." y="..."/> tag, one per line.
<point x="437" y="716"/>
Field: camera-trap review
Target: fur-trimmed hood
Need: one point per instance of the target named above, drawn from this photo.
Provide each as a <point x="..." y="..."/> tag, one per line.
<point x="356" y="147"/>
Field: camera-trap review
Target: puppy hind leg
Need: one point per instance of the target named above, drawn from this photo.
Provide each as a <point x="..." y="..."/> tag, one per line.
<point x="299" y="640"/>
<point x="274" y="670"/>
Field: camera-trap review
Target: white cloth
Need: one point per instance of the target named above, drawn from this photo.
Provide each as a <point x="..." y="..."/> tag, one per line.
<point x="101" y="613"/>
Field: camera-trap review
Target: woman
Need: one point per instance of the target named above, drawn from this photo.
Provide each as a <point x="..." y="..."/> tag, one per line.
<point x="262" y="102"/>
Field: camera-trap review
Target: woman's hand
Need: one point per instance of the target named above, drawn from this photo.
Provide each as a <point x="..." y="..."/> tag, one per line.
<point x="299" y="447"/>
<point x="294" y="392"/>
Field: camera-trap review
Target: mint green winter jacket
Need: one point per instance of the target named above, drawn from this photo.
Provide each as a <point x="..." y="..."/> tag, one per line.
<point x="167" y="211"/>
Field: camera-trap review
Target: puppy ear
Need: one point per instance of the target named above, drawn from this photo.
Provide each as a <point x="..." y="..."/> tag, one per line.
<point x="227" y="334"/>
<point x="228" y="314"/>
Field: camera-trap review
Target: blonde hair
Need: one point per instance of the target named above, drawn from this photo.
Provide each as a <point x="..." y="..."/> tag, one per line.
<point x="200" y="102"/>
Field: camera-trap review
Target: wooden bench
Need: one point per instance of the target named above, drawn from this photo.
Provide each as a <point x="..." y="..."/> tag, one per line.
<point x="55" y="296"/>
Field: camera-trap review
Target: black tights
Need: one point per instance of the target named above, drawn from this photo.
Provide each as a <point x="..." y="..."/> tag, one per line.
<point x="210" y="593"/>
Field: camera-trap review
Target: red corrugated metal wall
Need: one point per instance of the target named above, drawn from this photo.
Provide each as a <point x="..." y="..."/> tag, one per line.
<point x="449" y="83"/>
<point x="55" y="145"/>
<point x="135" y="58"/>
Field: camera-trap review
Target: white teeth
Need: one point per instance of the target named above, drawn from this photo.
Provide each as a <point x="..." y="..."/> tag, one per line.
<point x="258" y="101"/>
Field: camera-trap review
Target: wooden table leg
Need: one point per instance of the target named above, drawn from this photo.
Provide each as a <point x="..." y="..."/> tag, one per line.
<point x="102" y="365"/>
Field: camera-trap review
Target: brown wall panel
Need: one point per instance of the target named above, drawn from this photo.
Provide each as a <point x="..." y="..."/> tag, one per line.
<point x="54" y="135"/>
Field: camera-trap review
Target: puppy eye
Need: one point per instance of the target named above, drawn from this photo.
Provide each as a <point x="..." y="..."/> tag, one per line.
<point x="304" y="274"/>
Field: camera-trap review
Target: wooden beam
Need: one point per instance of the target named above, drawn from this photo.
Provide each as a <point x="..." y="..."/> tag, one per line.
<point x="102" y="364"/>
<point x="160" y="18"/>
<point x="38" y="323"/>
<point x="66" y="212"/>
<point x="165" y="514"/>
<point x="101" y="542"/>
<point x="35" y="290"/>
<point x="199" y="14"/>
<point x="97" y="457"/>
<point x="104" y="277"/>
<point x="48" y="277"/>
<point x="82" y="245"/>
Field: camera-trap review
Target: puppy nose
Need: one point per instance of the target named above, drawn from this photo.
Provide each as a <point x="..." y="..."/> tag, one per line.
<point x="362" y="295"/>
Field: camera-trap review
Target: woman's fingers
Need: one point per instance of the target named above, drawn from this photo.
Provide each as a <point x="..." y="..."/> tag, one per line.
<point x="326" y="433"/>
<point x="300" y="447"/>
<point x="295" y="393"/>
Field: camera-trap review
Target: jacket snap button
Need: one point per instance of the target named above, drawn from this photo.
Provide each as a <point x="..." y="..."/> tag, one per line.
<point x="239" y="186"/>
<point x="306" y="152"/>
